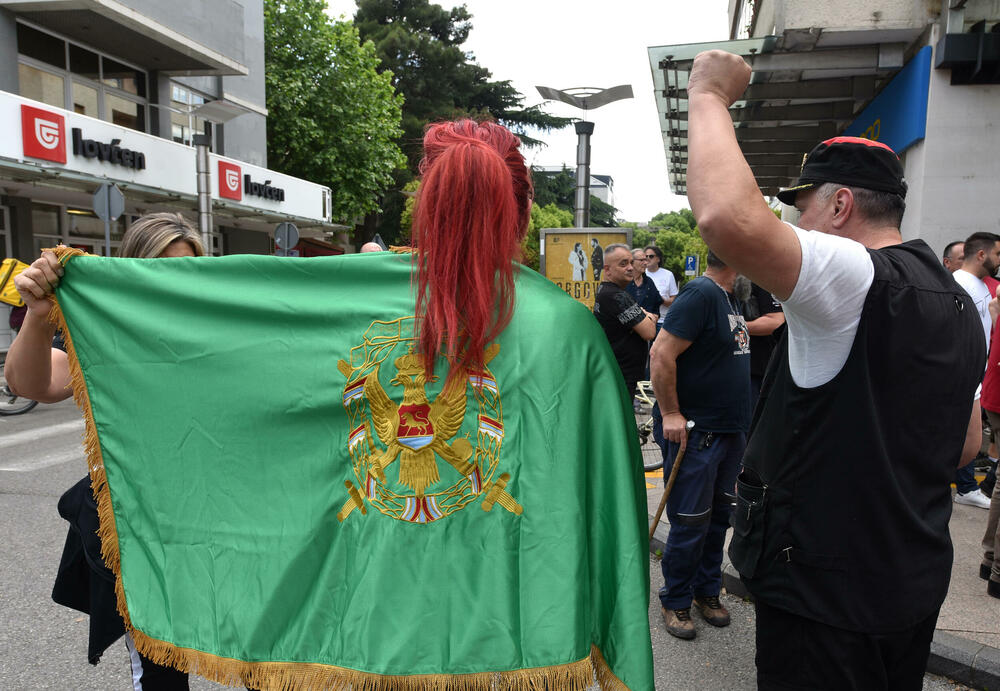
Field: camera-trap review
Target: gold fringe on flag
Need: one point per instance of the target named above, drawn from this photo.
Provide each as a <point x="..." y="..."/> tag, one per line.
<point x="292" y="676"/>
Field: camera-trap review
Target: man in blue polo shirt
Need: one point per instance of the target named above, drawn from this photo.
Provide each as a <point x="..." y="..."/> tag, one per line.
<point x="700" y="369"/>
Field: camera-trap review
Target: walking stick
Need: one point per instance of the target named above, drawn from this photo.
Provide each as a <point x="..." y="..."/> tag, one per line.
<point x="670" y="481"/>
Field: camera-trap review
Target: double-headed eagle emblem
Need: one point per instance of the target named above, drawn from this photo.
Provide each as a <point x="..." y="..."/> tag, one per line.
<point x="417" y="429"/>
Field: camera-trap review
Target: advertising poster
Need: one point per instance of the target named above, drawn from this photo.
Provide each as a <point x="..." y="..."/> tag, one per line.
<point x="573" y="258"/>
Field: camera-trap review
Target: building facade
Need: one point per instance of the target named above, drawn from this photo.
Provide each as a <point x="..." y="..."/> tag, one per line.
<point x="923" y="76"/>
<point x="118" y="91"/>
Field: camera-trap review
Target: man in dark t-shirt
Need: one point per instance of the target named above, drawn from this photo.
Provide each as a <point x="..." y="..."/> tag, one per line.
<point x="700" y="366"/>
<point x="627" y="326"/>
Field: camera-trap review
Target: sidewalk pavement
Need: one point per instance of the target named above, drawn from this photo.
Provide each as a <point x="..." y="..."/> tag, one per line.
<point x="966" y="645"/>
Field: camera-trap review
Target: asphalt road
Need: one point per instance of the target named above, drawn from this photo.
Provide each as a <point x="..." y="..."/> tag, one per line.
<point x="44" y="645"/>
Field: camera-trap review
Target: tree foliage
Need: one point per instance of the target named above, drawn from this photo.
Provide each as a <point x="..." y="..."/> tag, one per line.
<point x="676" y="234"/>
<point x="333" y="118"/>
<point x="559" y="188"/>
<point x="420" y="43"/>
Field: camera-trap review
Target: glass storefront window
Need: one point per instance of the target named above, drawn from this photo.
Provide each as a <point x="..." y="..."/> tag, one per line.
<point x="84" y="62"/>
<point x="124" y="77"/>
<point x="100" y="87"/>
<point x="124" y="112"/>
<point x="82" y="223"/>
<point x="40" y="85"/>
<point x="42" y="242"/>
<point x="84" y="100"/>
<point x="41" y="46"/>
<point x="45" y="220"/>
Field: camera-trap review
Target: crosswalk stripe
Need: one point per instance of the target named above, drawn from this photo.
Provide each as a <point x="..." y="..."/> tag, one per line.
<point x="30" y="435"/>
<point x="25" y="464"/>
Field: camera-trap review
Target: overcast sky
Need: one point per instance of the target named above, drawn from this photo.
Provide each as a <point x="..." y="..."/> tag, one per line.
<point x="570" y="43"/>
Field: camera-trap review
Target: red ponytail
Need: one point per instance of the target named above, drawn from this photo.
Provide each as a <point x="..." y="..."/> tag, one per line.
<point x="471" y="213"/>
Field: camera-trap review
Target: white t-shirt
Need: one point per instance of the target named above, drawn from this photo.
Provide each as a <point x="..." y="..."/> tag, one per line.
<point x="980" y="294"/>
<point x="824" y="309"/>
<point x="666" y="284"/>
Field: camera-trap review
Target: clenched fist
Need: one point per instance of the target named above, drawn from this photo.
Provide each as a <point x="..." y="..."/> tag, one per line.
<point x="39" y="281"/>
<point x="719" y="73"/>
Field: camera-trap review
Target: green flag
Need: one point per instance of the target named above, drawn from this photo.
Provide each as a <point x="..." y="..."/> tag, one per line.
<point x="288" y="503"/>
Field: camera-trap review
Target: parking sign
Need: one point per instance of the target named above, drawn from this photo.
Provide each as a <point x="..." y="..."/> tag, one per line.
<point x="691" y="265"/>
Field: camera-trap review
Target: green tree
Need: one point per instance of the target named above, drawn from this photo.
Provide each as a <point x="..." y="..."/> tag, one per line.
<point x="333" y="118"/>
<point x="559" y="188"/>
<point x="676" y="234"/>
<point x="420" y="44"/>
<point x="548" y="216"/>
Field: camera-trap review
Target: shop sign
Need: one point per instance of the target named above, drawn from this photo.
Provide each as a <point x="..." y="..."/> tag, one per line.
<point x="109" y="152"/>
<point x="256" y="187"/>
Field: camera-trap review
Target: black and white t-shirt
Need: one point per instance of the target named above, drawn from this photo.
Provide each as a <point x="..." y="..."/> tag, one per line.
<point x="617" y="312"/>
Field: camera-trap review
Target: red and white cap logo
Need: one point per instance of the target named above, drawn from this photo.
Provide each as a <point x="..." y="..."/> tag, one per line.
<point x="230" y="181"/>
<point x="43" y="134"/>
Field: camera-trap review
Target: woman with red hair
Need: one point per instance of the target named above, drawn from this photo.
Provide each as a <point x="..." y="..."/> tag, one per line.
<point x="470" y="216"/>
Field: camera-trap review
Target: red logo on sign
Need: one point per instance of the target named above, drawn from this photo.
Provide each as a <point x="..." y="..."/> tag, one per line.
<point x="230" y="181"/>
<point x="43" y="134"/>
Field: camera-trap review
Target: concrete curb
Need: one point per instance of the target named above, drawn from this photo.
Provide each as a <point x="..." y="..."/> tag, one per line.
<point x="968" y="662"/>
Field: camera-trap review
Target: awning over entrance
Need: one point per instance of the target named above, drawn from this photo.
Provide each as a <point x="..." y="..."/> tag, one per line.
<point x="807" y="86"/>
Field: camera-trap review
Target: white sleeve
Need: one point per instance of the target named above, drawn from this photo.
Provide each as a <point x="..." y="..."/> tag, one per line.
<point x="824" y="309"/>
<point x="671" y="284"/>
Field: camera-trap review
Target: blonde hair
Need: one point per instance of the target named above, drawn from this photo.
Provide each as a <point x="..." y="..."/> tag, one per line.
<point x="153" y="233"/>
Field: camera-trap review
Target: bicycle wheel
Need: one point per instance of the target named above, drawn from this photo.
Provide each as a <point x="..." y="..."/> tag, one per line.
<point x="11" y="403"/>
<point x="652" y="457"/>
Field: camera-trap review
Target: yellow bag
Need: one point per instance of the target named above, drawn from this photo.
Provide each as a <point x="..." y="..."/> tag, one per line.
<point x="10" y="268"/>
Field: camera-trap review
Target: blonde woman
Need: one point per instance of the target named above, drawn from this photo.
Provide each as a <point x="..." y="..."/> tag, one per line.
<point x="37" y="368"/>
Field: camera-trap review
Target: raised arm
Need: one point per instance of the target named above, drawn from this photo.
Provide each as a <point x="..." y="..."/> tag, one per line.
<point x="733" y="217"/>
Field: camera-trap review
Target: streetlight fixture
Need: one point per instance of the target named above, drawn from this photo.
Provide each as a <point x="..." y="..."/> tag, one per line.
<point x="585" y="98"/>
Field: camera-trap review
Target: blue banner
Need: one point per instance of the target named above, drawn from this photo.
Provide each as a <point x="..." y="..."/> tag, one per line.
<point x="898" y="116"/>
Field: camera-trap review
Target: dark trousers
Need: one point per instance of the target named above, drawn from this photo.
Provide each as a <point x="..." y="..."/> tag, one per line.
<point x="798" y="653"/>
<point x="698" y="510"/>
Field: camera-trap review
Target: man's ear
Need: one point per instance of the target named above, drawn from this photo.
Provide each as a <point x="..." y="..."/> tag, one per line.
<point x="843" y="207"/>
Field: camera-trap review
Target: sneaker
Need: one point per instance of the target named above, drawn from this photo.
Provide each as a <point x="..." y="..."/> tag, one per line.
<point x="712" y="610"/>
<point x="679" y="623"/>
<point x="973" y="498"/>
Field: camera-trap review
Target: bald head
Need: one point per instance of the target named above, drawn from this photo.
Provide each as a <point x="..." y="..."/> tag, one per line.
<point x="371" y="247"/>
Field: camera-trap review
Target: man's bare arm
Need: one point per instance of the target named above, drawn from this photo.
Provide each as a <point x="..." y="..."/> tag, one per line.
<point x="973" y="436"/>
<point x="732" y="215"/>
<point x="647" y="327"/>
<point x="765" y="324"/>
<point x="663" y="374"/>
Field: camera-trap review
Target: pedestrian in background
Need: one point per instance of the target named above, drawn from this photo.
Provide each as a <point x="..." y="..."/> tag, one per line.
<point x="954" y="254"/>
<point x="626" y="324"/>
<point x="663" y="279"/>
<point x="864" y="414"/>
<point x="981" y="260"/>
<point x="700" y="368"/>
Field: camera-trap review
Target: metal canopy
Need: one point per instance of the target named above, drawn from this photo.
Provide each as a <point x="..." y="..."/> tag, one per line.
<point x="806" y="87"/>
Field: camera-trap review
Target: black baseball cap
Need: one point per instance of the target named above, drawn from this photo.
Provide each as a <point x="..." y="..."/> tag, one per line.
<point x="852" y="162"/>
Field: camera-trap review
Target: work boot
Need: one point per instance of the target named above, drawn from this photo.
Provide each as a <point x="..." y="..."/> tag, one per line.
<point x="984" y="571"/>
<point x="992" y="589"/>
<point x="679" y="622"/>
<point x="712" y="610"/>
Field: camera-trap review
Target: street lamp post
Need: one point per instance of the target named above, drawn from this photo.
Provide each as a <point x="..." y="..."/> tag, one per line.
<point x="585" y="98"/>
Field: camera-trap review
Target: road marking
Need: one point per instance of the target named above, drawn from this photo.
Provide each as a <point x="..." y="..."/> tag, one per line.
<point x="31" y="435"/>
<point x="35" y="463"/>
